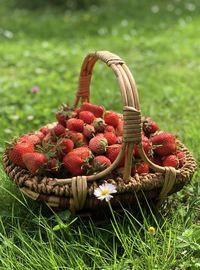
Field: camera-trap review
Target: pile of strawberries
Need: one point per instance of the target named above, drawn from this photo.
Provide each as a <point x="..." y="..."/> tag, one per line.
<point x="87" y="140"/>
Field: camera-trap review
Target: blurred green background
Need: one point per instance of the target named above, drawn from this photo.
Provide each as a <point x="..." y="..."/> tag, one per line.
<point x="43" y="44"/>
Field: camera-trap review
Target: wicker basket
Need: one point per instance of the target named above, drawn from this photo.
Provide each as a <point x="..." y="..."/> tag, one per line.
<point x="77" y="193"/>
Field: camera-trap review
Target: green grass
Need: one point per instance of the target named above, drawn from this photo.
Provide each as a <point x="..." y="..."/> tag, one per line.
<point x="45" y="46"/>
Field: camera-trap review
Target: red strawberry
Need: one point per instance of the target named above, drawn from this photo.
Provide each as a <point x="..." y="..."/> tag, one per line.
<point x="86" y="116"/>
<point x="44" y="130"/>
<point x="100" y="135"/>
<point x="83" y="152"/>
<point x="95" y="109"/>
<point x="65" y="145"/>
<point x="34" y="161"/>
<point x="149" y="126"/>
<point x="119" y="139"/>
<point x="112" y="153"/>
<point x="77" y="137"/>
<point x="98" y="145"/>
<point x="109" y="128"/>
<point x="75" y="160"/>
<point x="75" y="124"/>
<point x="98" y="111"/>
<point x="32" y="138"/>
<point x="58" y="130"/>
<point x="60" y="117"/>
<point x="119" y="128"/>
<point x="88" y="131"/>
<point x="17" y="151"/>
<point x="100" y="163"/>
<point x="111" y="118"/>
<point x="147" y="146"/>
<point x="164" y="143"/>
<point x="171" y="161"/>
<point x="110" y="137"/>
<point x="99" y="125"/>
<point x="74" y="164"/>
<point x="140" y="168"/>
<point x="181" y="158"/>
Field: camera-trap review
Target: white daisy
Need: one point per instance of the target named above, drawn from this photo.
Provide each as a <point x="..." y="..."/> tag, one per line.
<point x="104" y="191"/>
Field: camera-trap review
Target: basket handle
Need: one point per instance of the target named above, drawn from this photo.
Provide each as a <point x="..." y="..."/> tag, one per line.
<point x="131" y="109"/>
<point x="126" y="81"/>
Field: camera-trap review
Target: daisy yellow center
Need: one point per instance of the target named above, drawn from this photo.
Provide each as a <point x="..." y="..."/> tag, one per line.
<point x="105" y="192"/>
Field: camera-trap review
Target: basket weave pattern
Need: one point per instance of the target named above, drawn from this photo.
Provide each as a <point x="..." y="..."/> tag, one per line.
<point x="77" y="192"/>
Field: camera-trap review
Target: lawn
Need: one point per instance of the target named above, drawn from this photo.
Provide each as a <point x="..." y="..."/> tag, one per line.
<point x="44" y="46"/>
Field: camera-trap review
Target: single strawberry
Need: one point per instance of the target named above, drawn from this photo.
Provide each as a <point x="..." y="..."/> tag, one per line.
<point x="86" y="106"/>
<point x="88" y="131"/>
<point x="87" y="117"/>
<point x="170" y="161"/>
<point x="164" y="143"/>
<point x="74" y="164"/>
<point x="60" y="117"/>
<point x="17" y="151"/>
<point x="34" y="161"/>
<point x="98" y="145"/>
<point x="109" y="128"/>
<point x="58" y="130"/>
<point x="100" y="135"/>
<point x="75" y="124"/>
<point x="99" y="125"/>
<point x="32" y="138"/>
<point x="100" y="163"/>
<point x="140" y="168"/>
<point x="112" y="153"/>
<point x="110" y="137"/>
<point x="98" y="111"/>
<point x="77" y="138"/>
<point x="83" y="152"/>
<point x="181" y="158"/>
<point x="76" y="160"/>
<point x="147" y="146"/>
<point x="44" y="130"/>
<point x="111" y="118"/>
<point x="119" y="128"/>
<point x="149" y="126"/>
<point x="95" y="109"/>
<point x="65" y="145"/>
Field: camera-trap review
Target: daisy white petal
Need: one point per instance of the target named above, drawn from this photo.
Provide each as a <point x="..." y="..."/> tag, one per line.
<point x="104" y="191"/>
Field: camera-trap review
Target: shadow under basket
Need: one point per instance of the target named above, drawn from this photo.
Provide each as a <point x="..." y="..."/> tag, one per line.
<point x="77" y="193"/>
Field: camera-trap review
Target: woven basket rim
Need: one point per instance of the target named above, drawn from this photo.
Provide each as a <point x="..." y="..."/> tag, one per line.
<point x="39" y="184"/>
